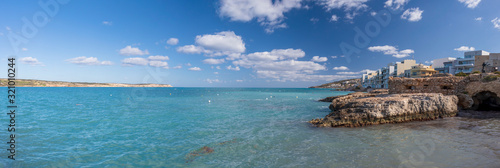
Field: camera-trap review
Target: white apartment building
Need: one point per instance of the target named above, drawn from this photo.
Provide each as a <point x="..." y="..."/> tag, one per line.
<point x="466" y="64"/>
<point x="380" y="78"/>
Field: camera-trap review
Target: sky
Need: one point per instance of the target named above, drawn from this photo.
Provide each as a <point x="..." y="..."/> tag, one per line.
<point x="236" y="43"/>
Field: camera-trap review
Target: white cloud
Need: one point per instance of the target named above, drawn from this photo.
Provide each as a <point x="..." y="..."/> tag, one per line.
<point x="158" y="64"/>
<point x="478" y="19"/>
<point x="314" y="20"/>
<point x="334" y="18"/>
<point x="190" y="49"/>
<point x="177" y="67"/>
<point x="496" y="23"/>
<point x="7" y="28"/>
<point x="195" y="69"/>
<point x="268" y="14"/>
<point x="216" y="73"/>
<point x="412" y="14"/>
<point x="188" y="64"/>
<point x="391" y="50"/>
<point x="24" y="49"/>
<point x="217" y="67"/>
<point x="341" y="68"/>
<point x="319" y="59"/>
<point x="30" y="61"/>
<point x="158" y="58"/>
<point x="212" y="80"/>
<point x="470" y="3"/>
<point x="333" y="57"/>
<point x="88" y="61"/>
<point x="465" y="48"/>
<point x="226" y="41"/>
<point x="129" y="50"/>
<point x="346" y="4"/>
<point x="396" y="4"/>
<point x="238" y="80"/>
<point x="173" y="41"/>
<point x="107" y="23"/>
<point x="231" y="68"/>
<point x="218" y="44"/>
<point x="135" y="61"/>
<point x="429" y="62"/>
<point x="213" y="61"/>
<point x="373" y="13"/>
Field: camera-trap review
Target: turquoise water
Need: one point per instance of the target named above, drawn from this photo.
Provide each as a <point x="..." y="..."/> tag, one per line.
<point x="167" y="127"/>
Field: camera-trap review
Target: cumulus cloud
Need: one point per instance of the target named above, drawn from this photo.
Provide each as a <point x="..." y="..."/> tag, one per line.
<point x="346" y="4"/>
<point x="135" y="61"/>
<point x="496" y="23"/>
<point x="238" y="80"/>
<point x="319" y="59"/>
<point x="226" y="41"/>
<point x="129" y="51"/>
<point x="396" y="4"/>
<point x="470" y="3"/>
<point x="190" y="49"/>
<point x="154" y="61"/>
<point x="158" y="64"/>
<point x="158" y="57"/>
<point x="172" y="41"/>
<point x="88" y="61"/>
<point x="177" y="67"/>
<point x="218" y="44"/>
<point x="212" y="80"/>
<point x="465" y="48"/>
<point x="213" y="61"/>
<point x="194" y="69"/>
<point x="412" y="14"/>
<point x="478" y="19"/>
<point x="30" y="61"/>
<point x="333" y="57"/>
<point x="351" y="7"/>
<point x="233" y="68"/>
<point x="391" y="50"/>
<point x="341" y="68"/>
<point x="268" y="13"/>
<point x="283" y="65"/>
<point x="334" y="18"/>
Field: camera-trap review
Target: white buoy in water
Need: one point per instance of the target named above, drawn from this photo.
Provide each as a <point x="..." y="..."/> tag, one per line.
<point x="208" y="101"/>
<point x="297" y="97"/>
<point x="110" y="94"/>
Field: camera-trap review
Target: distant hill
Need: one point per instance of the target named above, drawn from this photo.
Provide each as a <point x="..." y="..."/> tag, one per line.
<point x="348" y="84"/>
<point x="42" y="83"/>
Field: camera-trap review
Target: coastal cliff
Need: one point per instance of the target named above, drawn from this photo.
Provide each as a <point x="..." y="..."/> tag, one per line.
<point x="361" y="109"/>
<point x="42" y="83"/>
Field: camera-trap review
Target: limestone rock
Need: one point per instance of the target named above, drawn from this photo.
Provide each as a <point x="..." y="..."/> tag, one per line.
<point x="464" y="101"/>
<point x="366" y="109"/>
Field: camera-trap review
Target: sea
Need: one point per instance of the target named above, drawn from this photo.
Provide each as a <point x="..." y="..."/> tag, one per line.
<point x="226" y="127"/>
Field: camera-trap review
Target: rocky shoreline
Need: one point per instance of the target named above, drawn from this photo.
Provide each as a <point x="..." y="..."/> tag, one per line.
<point x="362" y="109"/>
<point x="410" y="99"/>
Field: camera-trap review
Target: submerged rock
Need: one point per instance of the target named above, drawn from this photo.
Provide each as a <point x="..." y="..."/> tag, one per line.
<point x="360" y="109"/>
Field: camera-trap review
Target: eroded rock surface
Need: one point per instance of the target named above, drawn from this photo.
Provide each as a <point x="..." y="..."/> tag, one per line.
<point x="361" y="109"/>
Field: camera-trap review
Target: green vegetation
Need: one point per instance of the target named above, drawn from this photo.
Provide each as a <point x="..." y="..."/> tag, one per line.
<point x="461" y="74"/>
<point x="476" y="72"/>
<point x="490" y="78"/>
<point x="497" y="72"/>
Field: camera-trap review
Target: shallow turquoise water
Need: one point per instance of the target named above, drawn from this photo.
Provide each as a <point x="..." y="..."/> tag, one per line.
<point x="160" y="127"/>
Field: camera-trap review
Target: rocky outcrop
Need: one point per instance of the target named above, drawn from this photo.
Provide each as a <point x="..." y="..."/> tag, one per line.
<point x="361" y="109"/>
<point x="355" y="95"/>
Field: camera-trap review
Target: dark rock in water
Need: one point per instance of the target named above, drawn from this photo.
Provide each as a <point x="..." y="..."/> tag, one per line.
<point x="361" y="109"/>
<point x="202" y="151"/>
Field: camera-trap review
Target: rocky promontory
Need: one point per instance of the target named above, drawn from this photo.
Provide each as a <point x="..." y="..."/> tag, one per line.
<point x="361" y="109"/>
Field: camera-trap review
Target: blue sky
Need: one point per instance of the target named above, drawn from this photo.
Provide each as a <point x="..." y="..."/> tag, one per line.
<point x="236" y="43"/>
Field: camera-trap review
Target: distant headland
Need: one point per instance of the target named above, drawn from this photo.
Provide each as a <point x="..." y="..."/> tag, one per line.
<point x="43" y="83"/>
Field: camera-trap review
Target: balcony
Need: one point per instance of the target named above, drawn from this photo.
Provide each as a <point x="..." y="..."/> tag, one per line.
<point x="465" y="59"/>
<point x="465" y="65"/>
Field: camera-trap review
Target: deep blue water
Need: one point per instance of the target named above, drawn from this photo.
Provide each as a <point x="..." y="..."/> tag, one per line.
<point x="245" y="127"/>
